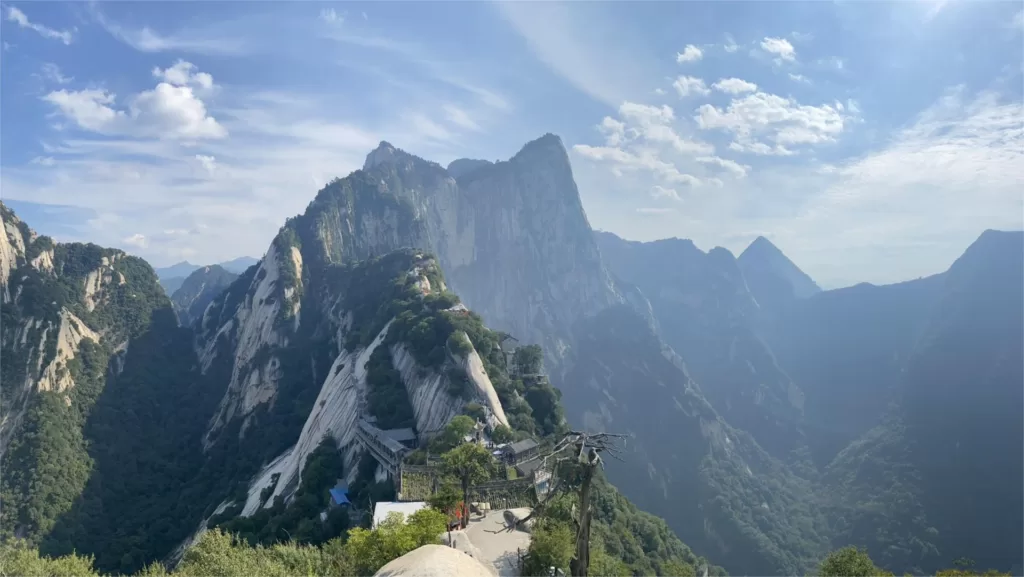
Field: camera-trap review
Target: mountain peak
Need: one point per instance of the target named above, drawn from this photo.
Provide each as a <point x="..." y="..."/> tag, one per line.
<point x="771" y="276"/>
<point x="761" y="246"/>
<point x="384" y="152"/>
<point x="548" y="144"/>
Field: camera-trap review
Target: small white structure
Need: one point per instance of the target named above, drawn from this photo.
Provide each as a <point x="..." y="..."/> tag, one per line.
<point x="383" y="508"/>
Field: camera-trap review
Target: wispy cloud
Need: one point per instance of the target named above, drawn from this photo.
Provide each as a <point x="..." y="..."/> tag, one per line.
<point x="571" y="40"/>
<point x="438" y="69"/>
<point x="459" y="117"/>
<point x="19" y="17"/>
<point x="730" y="45"/>
<point x="780" y="48"/>
<point x="146" y="39"/>
<point x="52" y="73"/>
<point x="330" y="16"/>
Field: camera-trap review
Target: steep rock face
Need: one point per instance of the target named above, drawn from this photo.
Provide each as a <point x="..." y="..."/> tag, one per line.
<point x="56" y="376"/>
<point x="252" y="330"/>
<point x="12" y="247"/>
<point x="338" y="408"/>
<point x="198" y="291"/>
<point x="432" y="404"/>
<point x="773" y="279"/>
<point x="706" y="314"/>
<point x="536" y="268"/>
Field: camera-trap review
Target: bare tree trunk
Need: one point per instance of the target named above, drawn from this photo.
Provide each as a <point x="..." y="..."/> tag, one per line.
<point x="581" y="564"/>
<point x="465" y="502"/>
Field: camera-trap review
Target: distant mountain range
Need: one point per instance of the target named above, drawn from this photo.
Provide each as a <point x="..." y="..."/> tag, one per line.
<point x="171" y="277"/>
<point x="767" y="421"/>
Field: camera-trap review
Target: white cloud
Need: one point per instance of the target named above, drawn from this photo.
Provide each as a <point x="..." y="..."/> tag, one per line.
<point x="734" y="86"/>
<point x="646" y="115"/>
<point x="167" y="111"/>
<point x="132" y="176"/>
<point x="332" y="17"/>
<point x="1018" y="21"/>
<point x="799" y="78"/>
<point x="655" y="211"/>
<point x="44" y="161"/>
<point x="759" y="148"/>
<point x="137" y="240"/>
<point x="15" y="15"/>
<point x="687" y="85"/>
<point x="613" y="131"/>
<point x="659" y="91"/>
<point x="52" y="73"/>
<point x="208" y="162"/>
<point x="780" y="47"/>
<point x="653" y="124"/>
<point x="88" y="108"/>
<point x="184" y="74"/>
<point x="783" y="121"/>
<point x="689" y="54"/>
<point x="662" y="192"/>
<point x="643" y="160"/>
<point x="174" y="111"/>
<point x="730" y="44"/>
<point x="802" y="36"/>
<point x="737" y="169"/>
<point x="460" y="118"/>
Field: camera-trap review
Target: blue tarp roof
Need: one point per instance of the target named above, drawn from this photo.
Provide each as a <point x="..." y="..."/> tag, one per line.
<point x="339" y="496"/>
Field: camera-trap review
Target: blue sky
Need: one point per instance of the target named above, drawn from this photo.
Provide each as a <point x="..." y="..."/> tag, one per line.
<point x="870" y="141"/>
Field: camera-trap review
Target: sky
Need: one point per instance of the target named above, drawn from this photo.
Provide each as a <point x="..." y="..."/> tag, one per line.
<point x="870" y="141"/>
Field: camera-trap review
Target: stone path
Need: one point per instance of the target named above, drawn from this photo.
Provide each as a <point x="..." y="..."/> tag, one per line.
<point x="487" y="540"/>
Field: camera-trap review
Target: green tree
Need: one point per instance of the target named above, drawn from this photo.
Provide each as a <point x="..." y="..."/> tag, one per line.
<point x="18" y="559"/>
<point x="604" y="565"/>
<point x="501" y="434"/>
<point x="850" y="562"/>
<point x="446" y="499"/>
<point x="453" y="434"/>
<point x="393" y="537"/>
<point x="529" y="360"/>
<point x="469" y="463"/>
<point x="675" y="569"/>
<point x="551" y="545"/>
